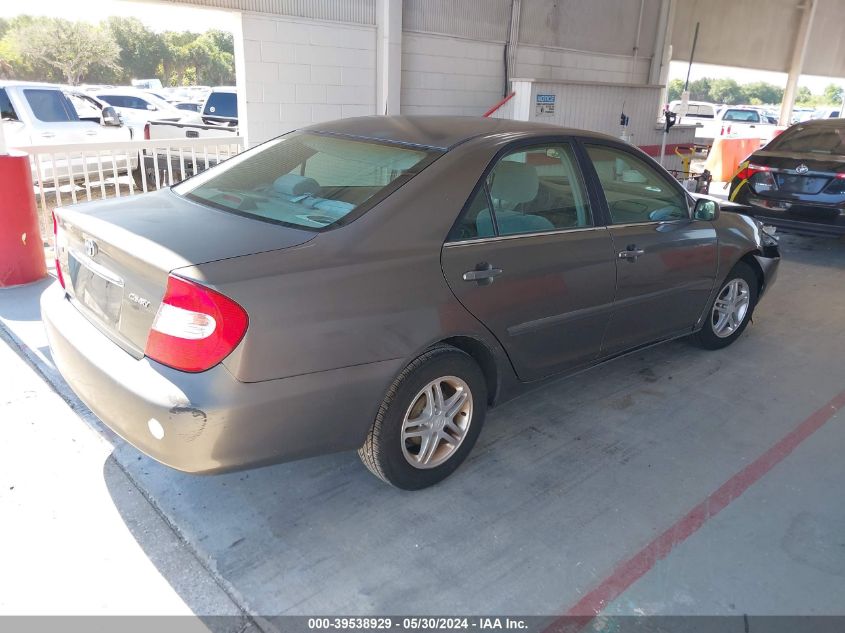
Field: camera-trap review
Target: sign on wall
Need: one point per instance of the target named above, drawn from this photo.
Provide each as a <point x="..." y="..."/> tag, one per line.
<point x="545" y="105"/>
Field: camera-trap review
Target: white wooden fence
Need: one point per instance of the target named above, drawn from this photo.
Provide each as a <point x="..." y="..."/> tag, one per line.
<point x="77" y="172"/>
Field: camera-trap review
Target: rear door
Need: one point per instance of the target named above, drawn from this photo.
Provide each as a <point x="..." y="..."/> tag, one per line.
<point x="665" y="260"/>
<point x="529" y="260"/>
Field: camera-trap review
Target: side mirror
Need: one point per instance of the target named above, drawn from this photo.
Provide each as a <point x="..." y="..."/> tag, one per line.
<point x="706" y="210"/>
<point x="151" y="107"/>
<point x="110" y="117"/>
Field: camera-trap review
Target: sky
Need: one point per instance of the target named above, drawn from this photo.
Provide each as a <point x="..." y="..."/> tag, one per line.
<point x="158" y="17"/>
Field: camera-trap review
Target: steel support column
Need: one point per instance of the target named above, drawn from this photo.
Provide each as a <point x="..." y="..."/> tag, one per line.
<point x="799" y="50"/>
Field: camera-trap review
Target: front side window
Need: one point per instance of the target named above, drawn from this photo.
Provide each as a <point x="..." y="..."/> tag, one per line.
<point x="635" y="191"/>
<point x="85" y="108"/>
<point x="50" y="106"/>
<point x="306" y="180"/>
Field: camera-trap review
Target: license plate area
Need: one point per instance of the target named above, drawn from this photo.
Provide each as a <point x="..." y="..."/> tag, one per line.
<point x="96" y="288"/>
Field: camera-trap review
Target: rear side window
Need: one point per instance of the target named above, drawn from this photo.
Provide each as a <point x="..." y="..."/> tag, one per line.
<point x="125" y="101"/>
<point x="531" y="190"/>
<point x="307" y="180"/>
<point x="50" y="106"/>
<point x="222" y="104"/>
<point x="811" y="139"/>
<point x="7" y="112"/>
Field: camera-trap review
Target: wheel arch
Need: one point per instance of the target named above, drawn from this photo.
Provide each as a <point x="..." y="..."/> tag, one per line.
<point x="485" y="358"/>
<point x="750" y="259"/>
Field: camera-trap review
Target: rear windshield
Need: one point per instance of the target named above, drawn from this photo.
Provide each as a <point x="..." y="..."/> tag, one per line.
<point x="222" y="104"/>
<point x="812" y="139"/>
<point x="307" y="180"/>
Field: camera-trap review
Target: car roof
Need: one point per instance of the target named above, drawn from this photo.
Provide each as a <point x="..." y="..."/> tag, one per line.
<point x="9" y="83"/>
<point x="437" y="132"/>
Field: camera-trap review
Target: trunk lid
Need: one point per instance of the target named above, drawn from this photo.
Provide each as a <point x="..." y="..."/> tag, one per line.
<point x="116" y="255"/>
<point x="801" y="173"/>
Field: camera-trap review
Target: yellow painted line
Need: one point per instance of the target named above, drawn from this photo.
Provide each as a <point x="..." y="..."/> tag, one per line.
<point x="736" y="191"/>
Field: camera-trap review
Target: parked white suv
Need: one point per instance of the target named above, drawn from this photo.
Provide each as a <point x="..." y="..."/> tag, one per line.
<point x="43" y="114"/>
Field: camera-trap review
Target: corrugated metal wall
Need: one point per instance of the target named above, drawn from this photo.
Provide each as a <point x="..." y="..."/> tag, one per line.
<point x="472" y="19"/>
<point x="349" y="11"/>
<point x="598" y="26"/>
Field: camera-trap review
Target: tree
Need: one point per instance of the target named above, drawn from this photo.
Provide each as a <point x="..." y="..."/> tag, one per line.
<point x="72" y="48"/>
<point x="726" y="91"/>
<point x="674" y="90"/>
<point x="803" y="95"/>
<point x="762" y="92"/>
<point x="833" y="94"/>
<point x="699" y="90"/>
<point x="141" y="49"/>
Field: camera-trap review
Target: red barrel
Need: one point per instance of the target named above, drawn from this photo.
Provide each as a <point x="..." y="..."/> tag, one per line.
<point x="21" y="248"/>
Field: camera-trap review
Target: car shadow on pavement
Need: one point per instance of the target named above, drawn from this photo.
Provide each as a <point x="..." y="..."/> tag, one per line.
<point x="564" y="482"/>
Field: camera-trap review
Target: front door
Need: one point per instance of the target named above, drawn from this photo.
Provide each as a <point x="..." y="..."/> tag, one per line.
<point x="527" y="260"/>
<point x="665" y="260"/>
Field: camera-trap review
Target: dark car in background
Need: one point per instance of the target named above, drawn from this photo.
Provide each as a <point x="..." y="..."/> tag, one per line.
<point x="797" y="182"/>
<point x="376" y="283"/>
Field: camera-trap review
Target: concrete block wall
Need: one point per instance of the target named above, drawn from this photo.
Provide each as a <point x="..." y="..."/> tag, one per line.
<point x="299" y="72"/>
<point x="555" y="63"/>
<point x="450" y="75"/>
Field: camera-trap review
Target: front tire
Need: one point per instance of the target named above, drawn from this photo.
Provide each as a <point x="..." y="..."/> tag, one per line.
<point x="731" y="309"/>
<point x="429" y="420"/>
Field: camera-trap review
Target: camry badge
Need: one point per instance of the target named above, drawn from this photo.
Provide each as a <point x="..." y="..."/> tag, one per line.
<point x="140" y="301"/>
<point x="91" y="248"/>
<point x="802" y="169"/>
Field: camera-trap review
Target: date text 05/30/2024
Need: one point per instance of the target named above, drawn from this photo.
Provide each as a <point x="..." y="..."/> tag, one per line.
<point x="416" y="624"/>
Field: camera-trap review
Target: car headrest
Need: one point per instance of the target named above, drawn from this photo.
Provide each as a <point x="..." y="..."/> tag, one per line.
<point x="293" y="185"/>
<point x="514" y="182"/>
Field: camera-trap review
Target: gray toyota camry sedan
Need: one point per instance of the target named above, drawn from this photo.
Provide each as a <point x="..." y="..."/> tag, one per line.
<point x="377" y="283"/>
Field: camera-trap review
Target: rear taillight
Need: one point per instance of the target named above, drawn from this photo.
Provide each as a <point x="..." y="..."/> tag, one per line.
<point x="59" y="274"/>
<point x="146" y="131"/>
<point x="195" y="327"/>
<point x="758" y="176"/>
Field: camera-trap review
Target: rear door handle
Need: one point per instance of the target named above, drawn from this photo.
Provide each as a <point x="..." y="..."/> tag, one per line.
<point x="48" y="134"/>
<point x="631" y="253"/>
<point x="484" y="274"/>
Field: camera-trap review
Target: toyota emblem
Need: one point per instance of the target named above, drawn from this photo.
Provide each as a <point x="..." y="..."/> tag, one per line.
<point x="802" y="169"/>
<point x="91" y="248"/>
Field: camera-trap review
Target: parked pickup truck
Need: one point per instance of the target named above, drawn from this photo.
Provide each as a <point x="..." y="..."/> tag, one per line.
<point x="219" y="122"/>
<point x="735" y="121"/>
<point x="43" y="114"/>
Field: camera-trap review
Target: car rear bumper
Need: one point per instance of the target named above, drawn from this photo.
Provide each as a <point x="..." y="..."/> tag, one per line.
<point x="806" y="220"/>
<point x="211" y="422"/>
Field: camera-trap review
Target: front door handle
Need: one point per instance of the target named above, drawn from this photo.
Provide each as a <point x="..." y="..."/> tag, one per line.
<point x="632" y="252"/>
<point x="484" y="274"/>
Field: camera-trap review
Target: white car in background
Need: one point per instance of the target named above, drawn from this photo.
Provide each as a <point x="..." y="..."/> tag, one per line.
<point x="140" y="105"/>
<point x="736" y="121"/>
<point x="696" y="112"/>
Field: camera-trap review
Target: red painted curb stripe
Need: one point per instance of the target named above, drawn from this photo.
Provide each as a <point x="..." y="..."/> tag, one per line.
<point x="632" y="569"/>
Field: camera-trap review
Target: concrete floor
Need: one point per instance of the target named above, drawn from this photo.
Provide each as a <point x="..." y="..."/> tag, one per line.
<point x="565" y="495"/>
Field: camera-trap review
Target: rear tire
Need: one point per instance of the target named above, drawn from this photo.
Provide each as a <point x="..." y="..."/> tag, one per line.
<point x="429" y="420"/>
<point x="731" y="309"/>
